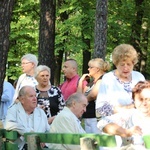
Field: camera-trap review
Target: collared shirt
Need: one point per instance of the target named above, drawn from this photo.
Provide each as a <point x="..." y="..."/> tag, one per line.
<point x="66" y="122"/>
<point x="30" y="121"/>
<point x="18" y="120"/>
<point x="69" y="86"/>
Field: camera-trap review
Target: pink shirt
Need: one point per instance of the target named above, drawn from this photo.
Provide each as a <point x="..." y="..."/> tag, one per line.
<point x="69" y="86"/>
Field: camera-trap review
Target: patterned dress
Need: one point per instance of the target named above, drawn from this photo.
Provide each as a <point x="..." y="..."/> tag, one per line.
<point x="51" y="99"/>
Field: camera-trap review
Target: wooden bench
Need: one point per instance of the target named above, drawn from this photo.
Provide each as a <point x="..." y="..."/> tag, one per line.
<point x="94" y="140"/>
<point x="146" y="139"/>
<point x="7" y="139"/>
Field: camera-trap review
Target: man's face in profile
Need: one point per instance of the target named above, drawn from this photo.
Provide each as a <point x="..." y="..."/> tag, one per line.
<point x="80" y="107"/>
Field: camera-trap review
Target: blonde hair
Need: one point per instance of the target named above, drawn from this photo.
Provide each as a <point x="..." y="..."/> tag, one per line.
<point x="123" y="52"/>
<point x="100" y="63"/>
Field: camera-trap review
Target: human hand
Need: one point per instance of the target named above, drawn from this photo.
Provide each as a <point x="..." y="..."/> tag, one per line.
<point x="85" y="77"/>
<point x="42" y="106"/>
<point x="42" y="145"/>
<point x="135" y="130"/>
<point x="130" y="106"/>
<point x="50" y="120"/>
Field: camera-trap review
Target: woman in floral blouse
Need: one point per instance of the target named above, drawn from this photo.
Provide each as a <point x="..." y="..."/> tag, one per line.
<point x="131" y="124"/>
<point x="49" y="97"/>
<point x="115" y="92"/>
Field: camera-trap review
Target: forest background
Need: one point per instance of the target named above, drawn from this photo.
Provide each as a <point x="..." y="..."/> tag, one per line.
<point x="57" y="30"/>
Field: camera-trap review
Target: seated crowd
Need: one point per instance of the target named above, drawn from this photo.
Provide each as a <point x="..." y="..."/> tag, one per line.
<point x="117" y="102"/>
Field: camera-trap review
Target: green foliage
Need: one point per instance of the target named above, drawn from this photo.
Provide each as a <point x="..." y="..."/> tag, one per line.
<point x="71" y="29"/>
<point x="77" y="25"/>
<point x="24" y="34"/>
<point x="120" y="17"/>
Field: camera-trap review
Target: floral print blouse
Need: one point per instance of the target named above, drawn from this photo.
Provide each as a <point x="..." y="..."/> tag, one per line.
<point x="52" y="100"/>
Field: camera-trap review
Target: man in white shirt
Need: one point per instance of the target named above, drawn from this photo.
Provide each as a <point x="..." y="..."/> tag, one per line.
<point x="25" y="116"/>
<point x="67" y="121"/>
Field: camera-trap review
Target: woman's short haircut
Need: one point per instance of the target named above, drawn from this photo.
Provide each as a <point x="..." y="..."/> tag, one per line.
<point x="41" y="68"/>
<point x="31" y="58"/>
<point x="139" y="87"/>
<point x="123" y="52"/>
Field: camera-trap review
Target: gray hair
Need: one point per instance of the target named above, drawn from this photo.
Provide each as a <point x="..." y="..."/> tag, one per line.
<point x="41" y="68"/>
<point x="73" y="63"/>
<point x="23" y="91"/>
<point x="77" y="97"/>
<point x="31" y="58"/>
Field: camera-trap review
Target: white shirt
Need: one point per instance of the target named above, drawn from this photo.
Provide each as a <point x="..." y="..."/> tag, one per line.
<point x="23" y="81"/>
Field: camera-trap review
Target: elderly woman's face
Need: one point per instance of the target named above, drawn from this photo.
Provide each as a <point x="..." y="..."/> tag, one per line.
<point x="27" y="66"/>
<point x="125" y="68"/>
<point x="43" y="78"/>
<point x="142" y="101"/>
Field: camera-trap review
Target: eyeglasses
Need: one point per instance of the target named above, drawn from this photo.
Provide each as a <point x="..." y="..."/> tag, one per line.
<point x="91" y="67"/>
<point x="25" y="63"/>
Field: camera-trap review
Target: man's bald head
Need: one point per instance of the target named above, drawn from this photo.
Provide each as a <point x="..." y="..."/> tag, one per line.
<point x="70" y="68"/>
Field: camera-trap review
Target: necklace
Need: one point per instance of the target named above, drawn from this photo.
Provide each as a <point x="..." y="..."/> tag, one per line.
<point x="126" y="85"/>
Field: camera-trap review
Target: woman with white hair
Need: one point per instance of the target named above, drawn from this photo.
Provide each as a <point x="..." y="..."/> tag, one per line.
<point x="28" y="64"/>
<point x="49" y="97"/>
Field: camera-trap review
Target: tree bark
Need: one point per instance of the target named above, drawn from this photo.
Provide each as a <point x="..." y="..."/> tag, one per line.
<point x="6" y="7"/>
<point x="59" y="59"/>
<point x="136" y="32"/>
<point x="47" y="35"/>
<point x="60" y="53"/>
<point x="100" y="29"/>
<point x="86" y="56"/>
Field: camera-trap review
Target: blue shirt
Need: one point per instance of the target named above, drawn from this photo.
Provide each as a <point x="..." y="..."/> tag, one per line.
<point x="6" y="99"/>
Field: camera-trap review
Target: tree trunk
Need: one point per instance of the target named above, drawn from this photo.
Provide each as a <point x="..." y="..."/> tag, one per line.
<point x="47" y="35"/>
<point x="100" y="29"/>
<point x="144" y="44"/>
<point x="6" y="7"/>
<point x="86" y="56"/>
<point x="59" y="58"/>
<point x="136" y="32"/>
